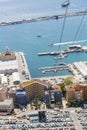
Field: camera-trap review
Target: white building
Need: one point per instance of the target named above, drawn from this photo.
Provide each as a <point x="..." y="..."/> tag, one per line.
<point x="4" y="80"/>
<point x="6" y="105"/>
<point x="82" y="68"/>
<point x="16" y="78"/>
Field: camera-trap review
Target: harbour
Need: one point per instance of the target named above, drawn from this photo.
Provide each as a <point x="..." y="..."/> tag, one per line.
<point x="34" y="34"/>
<point x="37" y="89"/>
<point x="78" y="70"/>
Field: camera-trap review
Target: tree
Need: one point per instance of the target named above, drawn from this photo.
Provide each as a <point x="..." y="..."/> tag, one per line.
<point x="36" y="102"/>
<point x="24" y="129"/>
<point x="68" y="81"/>
<point x="63" y="88"/>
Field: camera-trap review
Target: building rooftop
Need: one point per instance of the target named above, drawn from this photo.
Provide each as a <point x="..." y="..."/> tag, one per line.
<point x="29" y="82"/>
<point x="6" y="102"/>
<point x="3" y="89"/>
<point x="75" y="87"/>
<point x="58" y="87"/>
<point x="7" y="55"/>
<point x="26" y="83"/>
<point x="8" y="65"/>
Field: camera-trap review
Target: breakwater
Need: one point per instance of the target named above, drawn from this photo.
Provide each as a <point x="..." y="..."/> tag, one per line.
<point x="28" y="20"/>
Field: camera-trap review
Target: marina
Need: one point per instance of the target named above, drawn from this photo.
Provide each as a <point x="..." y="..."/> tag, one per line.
<point x="78" y="69"/>
<point x="59" y="67"/>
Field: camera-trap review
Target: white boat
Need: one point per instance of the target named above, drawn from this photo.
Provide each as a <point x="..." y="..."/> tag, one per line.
<point x="55" y="71"/>
<point x="74" y="47"/>
<point x="43" y="71"/>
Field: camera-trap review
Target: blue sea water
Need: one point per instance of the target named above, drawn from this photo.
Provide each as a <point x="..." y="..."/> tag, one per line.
<point x="23" y="37"/>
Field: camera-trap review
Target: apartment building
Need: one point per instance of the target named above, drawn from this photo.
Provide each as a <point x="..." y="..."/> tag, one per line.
<point x="34" y="87"/>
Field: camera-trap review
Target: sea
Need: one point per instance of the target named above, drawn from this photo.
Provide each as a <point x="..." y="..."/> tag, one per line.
<point x="24" y="37"/>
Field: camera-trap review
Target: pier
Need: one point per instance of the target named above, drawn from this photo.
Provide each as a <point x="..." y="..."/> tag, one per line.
<point x="66" y="51"/>
<point x="78" y="70"/>
<point x="28" y="20"/>
<point x="22" y="66"/>
<point x="53" y="68"/>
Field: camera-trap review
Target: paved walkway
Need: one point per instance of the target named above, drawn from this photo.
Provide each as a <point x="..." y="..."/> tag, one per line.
<point x="64" y="102"/>
<point x="76" y="121"/>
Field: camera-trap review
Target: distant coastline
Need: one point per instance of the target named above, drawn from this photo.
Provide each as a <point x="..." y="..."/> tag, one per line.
<point x="43" y="18"/>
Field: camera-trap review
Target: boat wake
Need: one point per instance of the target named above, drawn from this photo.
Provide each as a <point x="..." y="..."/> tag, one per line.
<point x="64" y="43"/>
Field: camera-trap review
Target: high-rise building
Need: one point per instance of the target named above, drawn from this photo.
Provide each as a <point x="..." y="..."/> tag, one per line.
<point x="34" y="88"/>
<point x="58" y="96"/>
<point x="21" y="98"/>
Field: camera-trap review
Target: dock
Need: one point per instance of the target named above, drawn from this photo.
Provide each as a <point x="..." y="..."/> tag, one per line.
<point x="53" y="68"/>
<point x="78" y="70"/>
<point x="66" y="51"/>
<point x="22" y="67"/>
<point x="29" y="20"/>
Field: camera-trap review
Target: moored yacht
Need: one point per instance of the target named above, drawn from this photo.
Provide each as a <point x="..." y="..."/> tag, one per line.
<point x="71" y="47"/>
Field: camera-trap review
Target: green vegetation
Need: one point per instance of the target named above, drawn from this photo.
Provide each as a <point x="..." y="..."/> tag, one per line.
<point x="63" y="88"/>
<point x="75" y="103"/>
<point x="67" y="81"/>
<point x="24" y="129"/>
<point x="58" y="103"/>
<point x="48" y="105"/>
<point x="36" y="102"/>
<point x="18" y="106"/>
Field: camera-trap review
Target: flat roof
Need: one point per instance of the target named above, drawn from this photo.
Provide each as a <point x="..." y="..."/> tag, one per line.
<point x="6" y="102"/>
<point x="34" y="118"/>
<point x="8" y="64"/>
<point x="29" y="82"/>
<point x="3" y="55"/>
